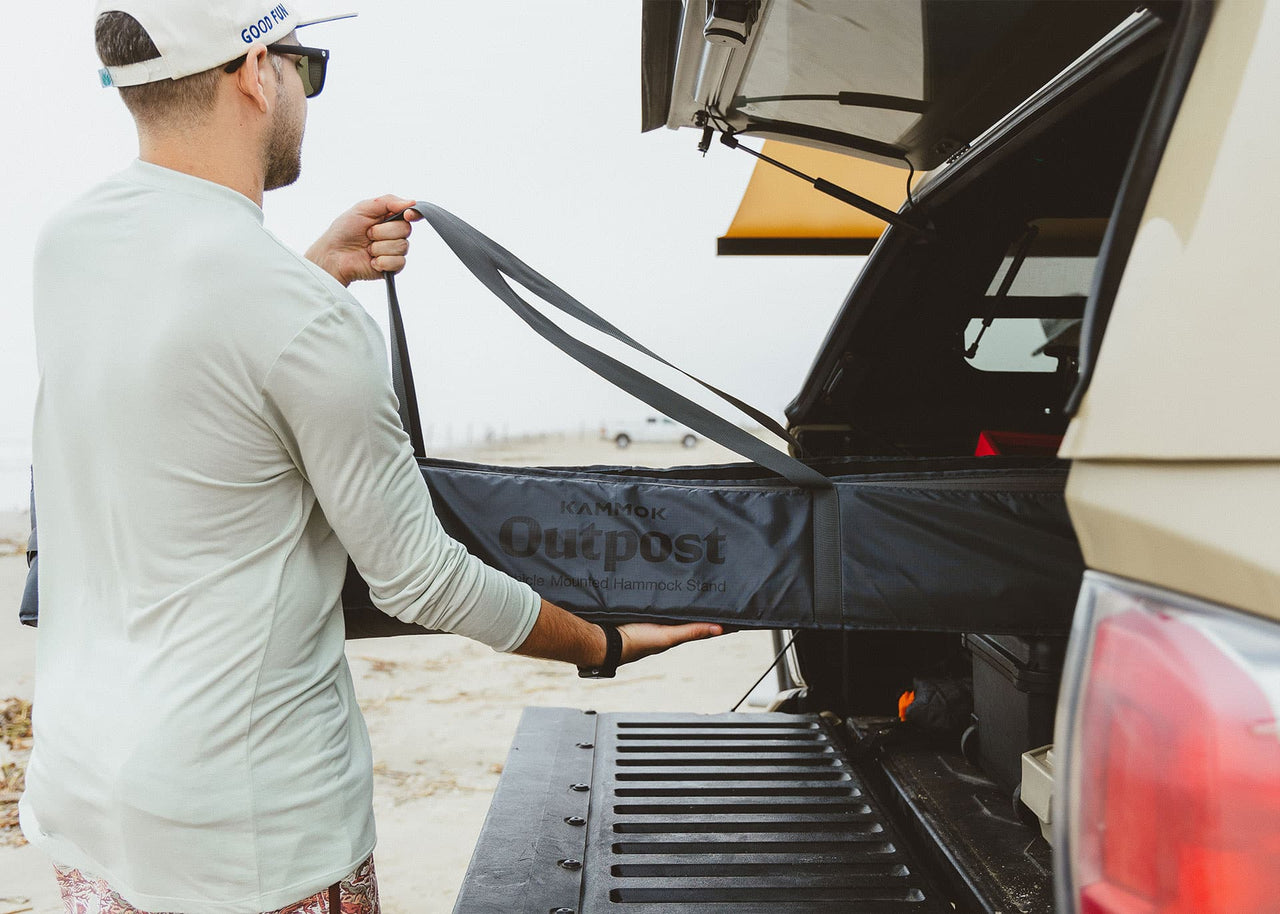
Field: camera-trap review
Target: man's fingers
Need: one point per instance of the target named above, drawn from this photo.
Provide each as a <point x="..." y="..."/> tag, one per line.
<point x="642" y="639"/>
<point x="389" y="231"/>
<point x="386" y="205"/>
<point x="394" y="248"/>
<point x="390" y="203"/>
<point x="694" y="631"/>
<point x="388" y="264"/>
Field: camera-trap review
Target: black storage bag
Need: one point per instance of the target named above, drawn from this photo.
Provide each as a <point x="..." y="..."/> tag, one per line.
<point x="933" y="545"/>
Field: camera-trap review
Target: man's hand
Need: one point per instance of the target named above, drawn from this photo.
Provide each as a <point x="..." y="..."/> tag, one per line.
<point x="359" y="245"/>
<point x="643" y="639"/>
<point x="560" y="635"/>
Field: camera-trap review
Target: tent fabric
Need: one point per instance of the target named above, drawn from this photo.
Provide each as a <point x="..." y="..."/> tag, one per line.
<point x="781" y="214"/>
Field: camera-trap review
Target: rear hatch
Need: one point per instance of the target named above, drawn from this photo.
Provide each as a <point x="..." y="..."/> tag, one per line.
<point x="896" y="82"/>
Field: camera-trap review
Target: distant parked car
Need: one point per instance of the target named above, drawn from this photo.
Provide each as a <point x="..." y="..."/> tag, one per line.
<point x="648" y="429"/>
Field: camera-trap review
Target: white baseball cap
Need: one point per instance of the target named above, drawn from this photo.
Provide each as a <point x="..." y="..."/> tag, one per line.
<point x="197" y="35"/>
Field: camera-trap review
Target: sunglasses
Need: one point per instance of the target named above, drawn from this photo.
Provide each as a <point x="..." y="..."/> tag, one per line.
<point x="312" y="64"/>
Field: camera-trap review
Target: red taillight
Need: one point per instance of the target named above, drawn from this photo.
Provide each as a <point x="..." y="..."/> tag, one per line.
<point x="1173" y="784"/>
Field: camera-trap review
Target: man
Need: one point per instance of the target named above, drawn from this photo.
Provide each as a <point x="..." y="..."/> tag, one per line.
<point x="215" y="431"/>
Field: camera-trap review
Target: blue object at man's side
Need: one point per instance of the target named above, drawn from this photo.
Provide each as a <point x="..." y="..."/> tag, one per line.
<point x="29" y="609"/>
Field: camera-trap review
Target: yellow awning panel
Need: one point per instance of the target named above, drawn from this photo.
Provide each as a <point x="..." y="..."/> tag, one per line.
<point x="782" y="214"/>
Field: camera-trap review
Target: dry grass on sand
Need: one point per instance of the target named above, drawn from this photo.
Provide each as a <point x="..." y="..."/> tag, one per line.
<point x="15" y="747"/>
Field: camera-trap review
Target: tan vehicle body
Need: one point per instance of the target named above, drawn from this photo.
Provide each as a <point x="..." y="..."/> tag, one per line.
<point x="1176" y="446"/>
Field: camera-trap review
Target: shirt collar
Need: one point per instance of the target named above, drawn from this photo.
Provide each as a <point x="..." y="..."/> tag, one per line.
<point x="162" y="178"/>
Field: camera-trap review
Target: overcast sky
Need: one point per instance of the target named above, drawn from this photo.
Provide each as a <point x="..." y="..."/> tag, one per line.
<point x="520" y="117"/>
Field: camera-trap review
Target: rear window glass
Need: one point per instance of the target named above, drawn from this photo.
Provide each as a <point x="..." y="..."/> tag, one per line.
<point x="1012" y="343"/>
<point x="1047" y="276"/>
<point x="1009" y="345"/>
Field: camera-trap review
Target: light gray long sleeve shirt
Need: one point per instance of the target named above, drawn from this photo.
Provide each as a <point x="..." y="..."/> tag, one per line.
<point x="215" y="431"/>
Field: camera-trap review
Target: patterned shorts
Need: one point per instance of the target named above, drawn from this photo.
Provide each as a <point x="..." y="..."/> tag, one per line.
<point x="86" y="895"/>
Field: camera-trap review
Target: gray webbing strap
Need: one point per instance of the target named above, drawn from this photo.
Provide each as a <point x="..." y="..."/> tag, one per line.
<point x="402" y="373"/>
<point x="492" y="265"/>
<point x="571" y="306"/>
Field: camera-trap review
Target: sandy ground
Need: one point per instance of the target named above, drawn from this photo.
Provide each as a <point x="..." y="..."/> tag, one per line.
<point x="441" y="710"/>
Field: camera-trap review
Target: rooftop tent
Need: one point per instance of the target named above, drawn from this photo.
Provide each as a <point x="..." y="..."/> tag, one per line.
<point x="887" y="81"/>
<point x="781" y="214"/>
<point x="898" y="84"/>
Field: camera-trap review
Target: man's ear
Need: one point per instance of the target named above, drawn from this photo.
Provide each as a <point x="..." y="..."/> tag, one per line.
<point x="251" y="78"/>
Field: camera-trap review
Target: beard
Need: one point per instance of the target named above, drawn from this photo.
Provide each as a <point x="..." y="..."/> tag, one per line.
<point x="284" y="147"/>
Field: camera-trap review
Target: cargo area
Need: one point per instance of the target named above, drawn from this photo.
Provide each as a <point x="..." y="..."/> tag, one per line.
<point x="746" y="813"/>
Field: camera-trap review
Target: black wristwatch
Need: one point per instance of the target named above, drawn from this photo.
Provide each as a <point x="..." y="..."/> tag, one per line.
<point x="612" y="655"/>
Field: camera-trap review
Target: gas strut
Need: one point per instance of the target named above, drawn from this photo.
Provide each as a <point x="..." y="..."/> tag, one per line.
<point x="831" y="190"/>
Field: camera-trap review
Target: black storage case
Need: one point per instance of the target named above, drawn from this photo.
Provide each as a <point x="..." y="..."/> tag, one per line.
<point x="1015" y="695"/>
<point x="941" y="544"/>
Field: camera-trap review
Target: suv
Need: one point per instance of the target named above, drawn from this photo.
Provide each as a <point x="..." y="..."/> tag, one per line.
<point x="648" y="429"/>
<point x="1096" y="192"/>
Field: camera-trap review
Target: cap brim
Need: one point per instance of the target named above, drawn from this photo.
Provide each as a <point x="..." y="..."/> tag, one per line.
<point x="333" y="18"/>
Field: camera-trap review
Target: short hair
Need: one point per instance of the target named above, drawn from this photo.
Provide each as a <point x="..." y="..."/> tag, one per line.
<point x="122" y="40"/>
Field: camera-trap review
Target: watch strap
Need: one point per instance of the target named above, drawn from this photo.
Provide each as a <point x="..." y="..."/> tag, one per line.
<point x="612" y="655"/>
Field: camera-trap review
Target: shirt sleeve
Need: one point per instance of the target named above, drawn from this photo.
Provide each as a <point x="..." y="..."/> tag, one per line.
<point x="328" y="397"/>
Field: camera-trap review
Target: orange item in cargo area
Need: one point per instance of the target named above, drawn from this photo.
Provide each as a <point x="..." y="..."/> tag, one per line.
<point x="1016" y="444"/>
<point x="905" y="702"/>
